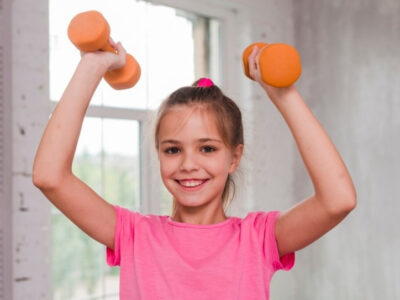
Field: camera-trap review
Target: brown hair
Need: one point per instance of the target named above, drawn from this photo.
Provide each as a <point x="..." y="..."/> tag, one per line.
<point x="227" y="115"/>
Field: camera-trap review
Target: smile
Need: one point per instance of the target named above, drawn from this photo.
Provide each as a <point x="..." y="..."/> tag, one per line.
<point x="191" y="185"/>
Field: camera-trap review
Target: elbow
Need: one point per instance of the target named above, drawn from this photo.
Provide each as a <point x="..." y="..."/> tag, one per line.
<point x="38" y="179"/>
<point x="42" y="182"/>
<point x="45" y="175"/>
<point x="39" y="182"/>
<point x="350" y="204"/>
<point x="339" y="206"/>
<point x="45" y="181"/>
<point x="346" y="204"/>
<point x="351" y="200"/>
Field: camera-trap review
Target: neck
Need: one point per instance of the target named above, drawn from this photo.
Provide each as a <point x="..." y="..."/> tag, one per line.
<point x="198" y="215"/>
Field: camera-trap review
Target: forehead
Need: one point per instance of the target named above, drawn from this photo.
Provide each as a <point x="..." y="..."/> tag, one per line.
<point x="188" y="121"/>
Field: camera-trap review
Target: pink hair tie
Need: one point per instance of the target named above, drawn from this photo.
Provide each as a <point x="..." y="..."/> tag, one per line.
<point x="205" y="82"/>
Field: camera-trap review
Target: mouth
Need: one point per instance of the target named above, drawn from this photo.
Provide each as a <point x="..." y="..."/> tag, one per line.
<point x="191" y="184"/>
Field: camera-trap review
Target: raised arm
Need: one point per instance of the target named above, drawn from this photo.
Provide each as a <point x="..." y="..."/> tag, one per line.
<point x="52" y="169"/>
<point x="335" y="195"/>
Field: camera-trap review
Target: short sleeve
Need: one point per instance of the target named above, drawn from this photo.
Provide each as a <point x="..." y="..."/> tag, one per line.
<point x="270" y="248"/>
<point x="123" y="235"/>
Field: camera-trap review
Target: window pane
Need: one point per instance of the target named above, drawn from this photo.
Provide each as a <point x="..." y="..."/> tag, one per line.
<point x="127" y="20"/>
<point x="171" y="55"/>
<point x="107" y="160"/>
<point x="77" y="261"/>
<point x="121" y="162"/>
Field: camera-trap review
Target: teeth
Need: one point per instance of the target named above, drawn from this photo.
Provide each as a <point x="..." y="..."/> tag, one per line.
<point x="191" y="183"/>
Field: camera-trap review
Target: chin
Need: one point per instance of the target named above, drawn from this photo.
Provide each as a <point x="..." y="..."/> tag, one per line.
<point x="192" y="202"/>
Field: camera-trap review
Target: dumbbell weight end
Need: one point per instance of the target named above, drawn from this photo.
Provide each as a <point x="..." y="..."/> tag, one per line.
<point x="125" y="77"/>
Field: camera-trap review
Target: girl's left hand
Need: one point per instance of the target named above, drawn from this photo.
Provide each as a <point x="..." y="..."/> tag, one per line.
<point x="110" y="61"/>
<point x="273" y="93"/>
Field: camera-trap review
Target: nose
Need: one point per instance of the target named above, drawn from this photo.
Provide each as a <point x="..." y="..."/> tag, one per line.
<point x="189" y="162"/>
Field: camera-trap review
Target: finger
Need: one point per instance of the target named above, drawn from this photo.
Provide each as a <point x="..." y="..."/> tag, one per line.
<point x="121" y="52"/>
<point x="120" y="48"/>
<point x="252" y="62"/>
<point x="254" y="50"/>
<point x="257" y="57"/>
<point x="113" y="44"/>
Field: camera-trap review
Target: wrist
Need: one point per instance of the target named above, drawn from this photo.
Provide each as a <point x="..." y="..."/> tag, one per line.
<point x="94" y="63"/>
<point x="280" y="94"/>
<point x="286" y="98"/>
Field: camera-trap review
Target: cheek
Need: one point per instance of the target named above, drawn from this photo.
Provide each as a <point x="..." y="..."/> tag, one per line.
<point x="222" y="165"/>
<point x="228" y="166"/>
<point x="167" y="166"/>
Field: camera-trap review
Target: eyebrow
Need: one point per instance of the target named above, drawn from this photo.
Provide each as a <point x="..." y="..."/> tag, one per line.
<point x="202" y="140"/>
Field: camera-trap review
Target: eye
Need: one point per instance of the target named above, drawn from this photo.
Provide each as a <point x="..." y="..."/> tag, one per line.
<point x="171" y="150"/>
<point x="208" y="149"/>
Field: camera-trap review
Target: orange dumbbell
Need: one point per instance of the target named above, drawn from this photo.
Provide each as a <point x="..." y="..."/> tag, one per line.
<point x="280" y="64"/>
<point x="89" y="31"/>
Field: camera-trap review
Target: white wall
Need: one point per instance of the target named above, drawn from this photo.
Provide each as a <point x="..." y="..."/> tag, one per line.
<point x="28" y="88"/>
<point x="350" y="53"/>
<point x="5" y="154"/>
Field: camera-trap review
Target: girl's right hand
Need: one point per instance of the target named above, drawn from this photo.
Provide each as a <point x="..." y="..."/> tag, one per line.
<point x="274" y="93"/>
<point x="109" y="61"/>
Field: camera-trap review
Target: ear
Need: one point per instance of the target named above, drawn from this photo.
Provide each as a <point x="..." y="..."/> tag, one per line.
<point x="236" y="156"/>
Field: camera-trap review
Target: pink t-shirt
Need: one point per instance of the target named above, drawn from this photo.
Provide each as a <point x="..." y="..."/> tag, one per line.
<point x="163" y="259"/>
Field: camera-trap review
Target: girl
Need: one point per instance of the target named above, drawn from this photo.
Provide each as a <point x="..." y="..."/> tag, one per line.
<point x="198" y="252"/>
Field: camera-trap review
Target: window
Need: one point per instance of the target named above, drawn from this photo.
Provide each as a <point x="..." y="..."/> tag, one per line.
<point x="173" y="48"/>
<point x="109" y="164"/>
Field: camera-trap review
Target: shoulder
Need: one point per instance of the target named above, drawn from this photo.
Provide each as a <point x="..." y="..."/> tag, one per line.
<point x="260" y="223"/>
<point x="139" y="218"/>
<point x="260" y="218"/>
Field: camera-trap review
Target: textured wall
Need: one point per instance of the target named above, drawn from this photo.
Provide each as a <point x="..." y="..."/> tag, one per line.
<point x="350" y="53"/>
<point x="30" y="214"/>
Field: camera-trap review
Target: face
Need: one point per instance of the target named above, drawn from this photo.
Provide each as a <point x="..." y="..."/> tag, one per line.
<point x="194" y="161"/>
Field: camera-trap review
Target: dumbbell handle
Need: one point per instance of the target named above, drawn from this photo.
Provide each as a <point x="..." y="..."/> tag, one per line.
<point x="108" y="48"/>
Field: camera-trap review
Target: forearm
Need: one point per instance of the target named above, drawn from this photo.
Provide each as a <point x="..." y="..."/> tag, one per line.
<point x="331" y="180"/>
<point x="57" y="148"/>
